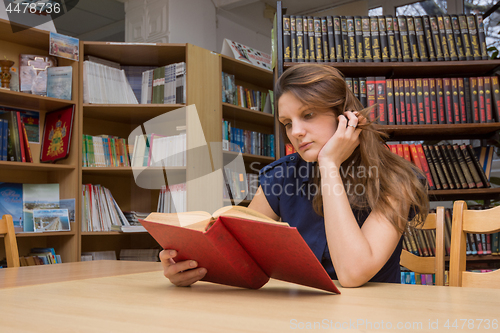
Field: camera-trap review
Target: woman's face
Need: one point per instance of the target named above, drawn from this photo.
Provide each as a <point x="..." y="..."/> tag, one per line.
<point x="307" y="128"/>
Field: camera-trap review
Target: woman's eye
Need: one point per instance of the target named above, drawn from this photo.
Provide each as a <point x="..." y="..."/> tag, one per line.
<point x="309" y="115"/>
<point x="287" y="124"/>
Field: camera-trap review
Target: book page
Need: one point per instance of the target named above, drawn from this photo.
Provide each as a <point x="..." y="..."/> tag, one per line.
<point x="245" y="213"/>
<point x="189" y="220"/>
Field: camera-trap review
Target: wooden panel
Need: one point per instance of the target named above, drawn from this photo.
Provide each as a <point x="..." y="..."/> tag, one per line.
<point x="246" y="115"/>
<point x="127" y="113"/>
<point x="439" y="132"/>
<point x="482" y="221"/>
<point x="465" y="194"/>
<point x="481" y="280"/>
<point x="247" y="72"/>
<point x="117" y="241"/>
<point x="27" y="101"/>
<point x="96" y="126"/>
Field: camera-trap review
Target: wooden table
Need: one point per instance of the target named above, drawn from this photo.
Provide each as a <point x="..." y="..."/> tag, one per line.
<point x="106" y="299"/>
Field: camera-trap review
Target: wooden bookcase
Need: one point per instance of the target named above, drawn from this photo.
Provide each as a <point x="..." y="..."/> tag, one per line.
<point x="416" y="132"/>
<point x="65" y="172"/>
<point x="255" y="78"/>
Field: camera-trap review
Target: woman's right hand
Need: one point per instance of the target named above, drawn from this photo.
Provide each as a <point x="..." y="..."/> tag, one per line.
<point x="183" y="273"/>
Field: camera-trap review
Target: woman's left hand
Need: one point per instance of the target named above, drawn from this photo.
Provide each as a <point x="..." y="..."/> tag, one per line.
<point x="343" y="142"/>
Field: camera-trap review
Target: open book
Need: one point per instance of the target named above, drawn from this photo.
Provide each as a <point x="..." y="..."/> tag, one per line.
<point x="241" y="247"/>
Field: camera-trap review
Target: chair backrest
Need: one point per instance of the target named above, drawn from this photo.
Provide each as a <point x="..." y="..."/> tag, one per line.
<point x="474" y="221"/>
<point x="11" y="251"/>
<point x="429" y="265"/>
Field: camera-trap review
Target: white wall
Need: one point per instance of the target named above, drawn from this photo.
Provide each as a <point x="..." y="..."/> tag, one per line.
<point x="238" y="33"/>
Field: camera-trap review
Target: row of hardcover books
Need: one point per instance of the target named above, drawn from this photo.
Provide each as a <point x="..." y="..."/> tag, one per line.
<point x="408" y="277"/>
<point x="172" y="199"/>
<point x="248" y="98"/>
<point x="449" y="166"/>
<point x="429" y="100"/>
<point x="159" y="150"/>
<point x="239" y="186"/>
<point x="246" y="141"/>
<point x="40" y="256"/>
<point x="383" y="38"/>
<point x="164" y="85"/>
<point x="14" y="144"/>
<point x="104" y="151"/>
<point x="423" y="242"/>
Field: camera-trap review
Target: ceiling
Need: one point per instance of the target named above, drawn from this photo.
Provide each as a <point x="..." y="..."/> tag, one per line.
<point x="105" y="19"/>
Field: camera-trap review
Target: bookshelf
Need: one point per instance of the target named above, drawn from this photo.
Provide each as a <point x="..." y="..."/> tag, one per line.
<point x="434" y="132"/>
<point x="254" y="78"/>
<point x="65" y="172"/>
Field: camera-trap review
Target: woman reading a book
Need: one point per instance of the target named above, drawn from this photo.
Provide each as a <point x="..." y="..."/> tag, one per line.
<point x="346" y="193"/>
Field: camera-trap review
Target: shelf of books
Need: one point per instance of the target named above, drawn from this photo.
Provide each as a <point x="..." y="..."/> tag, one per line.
<point x="38" y="159"/>
<point x="145" y="138"/>
<point x="248" y="127"/>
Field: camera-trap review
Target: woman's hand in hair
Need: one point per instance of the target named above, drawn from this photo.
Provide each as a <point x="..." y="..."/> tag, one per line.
<point x="342" y="144"/>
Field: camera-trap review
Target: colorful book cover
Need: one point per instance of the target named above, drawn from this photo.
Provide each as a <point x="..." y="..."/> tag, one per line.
<point x="38" y="196"/>
<point x="56" y="139"/>
<point x="51" y="220"/>
<point x="59" y="82"/>
<point x="11" y="202"/>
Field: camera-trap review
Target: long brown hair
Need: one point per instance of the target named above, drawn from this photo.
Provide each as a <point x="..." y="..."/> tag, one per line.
<point x="386" y="175"/>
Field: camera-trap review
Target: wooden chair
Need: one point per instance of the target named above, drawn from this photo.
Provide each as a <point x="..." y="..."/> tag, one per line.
<point x="429" y="265"/>
<point x="475" y="221"/>
<point x="11" y="252"/>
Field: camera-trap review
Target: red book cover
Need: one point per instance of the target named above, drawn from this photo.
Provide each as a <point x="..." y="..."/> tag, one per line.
<point x="425" y="166"/>
<point x="461" y="98"/>
<point x="21" y="136"/>
<point x="394" y="148"/>
<point x="404" y="100"/>
<point x="399" y="147"/>
<point x="406" y="152"/>
<point x="455" y="100"/>
<point x="381" y="100"/>
<point x="487" y="100"/>
<point x="413" y="99"/>
<point x="27" y="149"/>
<point x="240" y="252"/>
<point x="440" y="101"/>
<point x="448" y="100"/>
<point x="391" y="117"/>
<point x="433" y="101"/>
<point x="414" y="156"/>
<point x="482" y="106"/>
<point x="371" y="97"/>
<point x="56" y="138"/>
<point x="397" y="103"/>
<point x="427" y="101"/>
<point x="420" y="101"/>
<point x="289" y="149"/>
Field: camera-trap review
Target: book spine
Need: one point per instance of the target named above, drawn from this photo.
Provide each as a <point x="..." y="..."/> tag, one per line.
<point x="310" y="32"/>
<point x="324" y="39"/>
<point x="408" y="103"/>
<point x="381" y="100"/>
<point x="391" y="117"/>
<point x="432" y="179"/>
<point x="300" y="38"/>
<point x="487" y="100"/>
<point x="455" y="99"/>
<point x="463" y="166"/>
<point x="371" y="96"/>
<point x="433" y="101"/>
<point x="461" y="100"/>
<point x="427" y="102"/>
<point x="397" y="103"/>
<point x="474" y="96"/>
<point x="412" y="37"/>
<point x="402" y="101"/>
<point x="397" y="38"/>
<point x="472" y="168"/>
<point x="457" y="35"/>
<point x="355" y="87"/>
<point x="478" y="166"/>
<point x="305" y="28"/>
<point x="358" y="36"/>
<point x="376" y="50"/>
<point x="474" y="38"/>
<point x="420" y="101"/>
<point x="362" y="92"/>
<point x="449" y="165"/>
<point x="481" y="36"/>
<point x="435" y="38"/>
<point x="405" y="43"/>
<point x="439" y="170"/>
<point x="318" y="41"/>
<point x="468" y="102"/>
<point x="495" y="89"/>
<point x="345" y="38"/>
<point x="444" y="167"/>
<point x="331" y="38"/>
<point x="352" y="39"/>
<point x="450" y="39"/>
<point x="337" y="31"/>
<point x="442" y="37"/>
<point x="482" y="104"/>
<point x="293" y="33"/>
<point x="414" y="103"/>
<point x="448" y="100"/>
<point x="393" y="55"/>
<point x="440" y="101"/>
<point x="367" y="45"/>
<point x="419" y="30"/>
<point x="287" y="53"/>
<point x="464" y="31"/>
<point x="384" y="43"/>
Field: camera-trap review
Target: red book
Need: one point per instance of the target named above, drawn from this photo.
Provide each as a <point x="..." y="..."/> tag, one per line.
<point x="394" y="148"/>
<point x="440" y="101"/>
<point x="381" y="100"/>
<point x="482" y="106"/>
<point x="414" y="156"/>
<point x="406" y="152"/>
<point x="425" y="166"/>
<point x="241" y="248"/>
<point x="27" y="149"/>
<point x="461" y="98"/>
<point x="487" y="100"/>
<point x="371" y="97"/>
<point x="21" y="135"/>
<point x="399" y="147"/>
